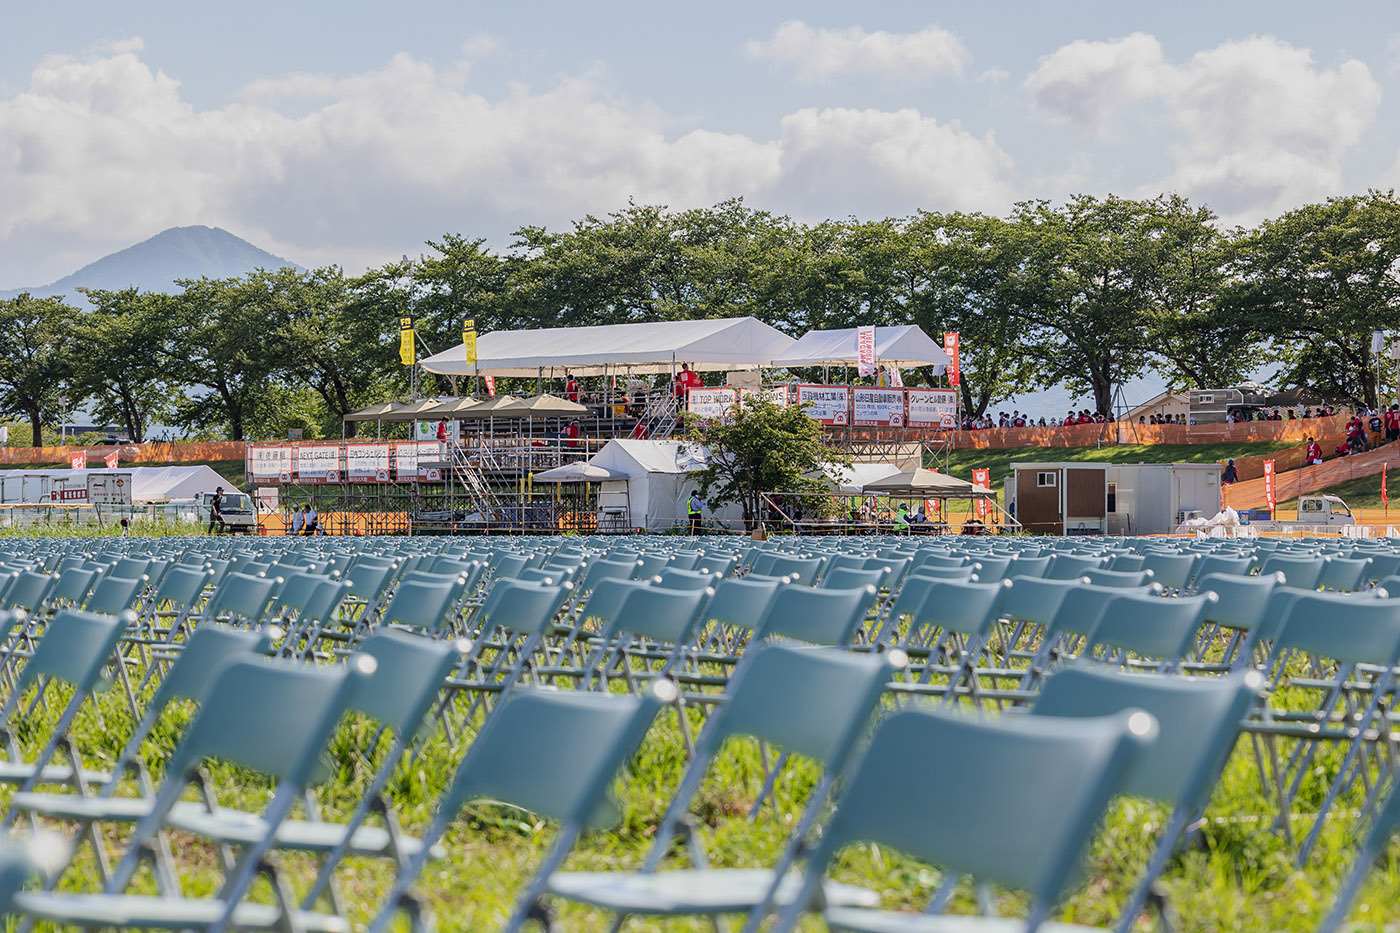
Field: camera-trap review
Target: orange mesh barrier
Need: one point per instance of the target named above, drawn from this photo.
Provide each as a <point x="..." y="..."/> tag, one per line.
<point x="1250" y="494"/>
<point x="1087" y="435"/>
<point x="183" y="452"/>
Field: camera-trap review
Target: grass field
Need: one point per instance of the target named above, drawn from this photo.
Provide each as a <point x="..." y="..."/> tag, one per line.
<point x="1236" y="874"/>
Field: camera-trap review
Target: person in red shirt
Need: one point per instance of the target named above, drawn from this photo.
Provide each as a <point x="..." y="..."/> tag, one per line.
<point x="639" y="430"/>
<point x="686" y="380"/>
<point x="571" y="389"/>
<point x="1314" y="452"/>
<point x="571" y="433"/>
<point x="1392" y="424"/>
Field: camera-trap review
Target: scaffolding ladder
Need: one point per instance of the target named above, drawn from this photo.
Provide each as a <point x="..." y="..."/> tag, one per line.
<point x="483" y="499"/>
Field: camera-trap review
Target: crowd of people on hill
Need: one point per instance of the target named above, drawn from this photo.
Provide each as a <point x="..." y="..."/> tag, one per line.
<point x="1018" y="420"/>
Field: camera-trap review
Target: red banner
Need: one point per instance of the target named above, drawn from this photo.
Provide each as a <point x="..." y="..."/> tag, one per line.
<point x="950" y="347"/>
<point x="1385" y="500"/>
<point x="1269" y="485"/>
<point x="112" y="459"/>
<point x="983" y="478"/>
<point x="491" y="385"/>
<point x="78" y="460"/>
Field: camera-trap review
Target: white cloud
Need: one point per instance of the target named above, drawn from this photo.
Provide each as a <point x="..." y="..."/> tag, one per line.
<point x="102" y="151"/>
<point x="1255" y="126"/>
<point x="821" y="54"/>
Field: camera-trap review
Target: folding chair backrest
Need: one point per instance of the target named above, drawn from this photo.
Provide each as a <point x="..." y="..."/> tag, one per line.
<point x="661" y="614"/>
<point x="742" y="602"/>
<point x="1028" y="567"/>
<point x="245" y="717"/>
<point x="845" y="578"/>
<point x="674" y="579"/>
<point x="75" y="648"/>
<point x="1123" y="578"/>
<point x="114" y="594"/>
<point x="368" y="581"/>
<point x="798" y="569"/>
<point x="813" y="701"/>
<point x="523" y="608"/>
<point x="72" y="585"/>
<point x="1343" y="628"/>
<point x="1082" y="607"/>
<point x="1240" y="600"/>
<point x="181" y="586"/>
<point x="963" y="573"/>
<point x="410" y="671"/>
<point x="1301" y="572"/>
<point x="1069" y="566"/>
<point x="1223" y="564"/>
<point x="1344" y="574"/>
<point x="325" y="600"/>
<point x="28" y="591"/>
<point x="554" y="754"/>
<point x="999" y="827"/>
<point x="1150" y="626"/>
<point x="425" y="603"/>
<point x="1198" y="719"/>
<point x="606" y="599"/>
<point x="242" y="596"/>
<point x="607" y="570"/>
<point x="205" y="650"/>
<point x="1172" y="571"/>
<point x="1124" y="563"/>
<point x="968" y="608"/>
<point x="819" y="617"/>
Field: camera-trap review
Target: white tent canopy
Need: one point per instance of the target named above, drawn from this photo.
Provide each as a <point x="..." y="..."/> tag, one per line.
<point x="656" y="484"/>
<point x="904" y="346"/>
<point x="153" y="484"/>
<point x="850" y="479"/>
<point x="718" y="344"/>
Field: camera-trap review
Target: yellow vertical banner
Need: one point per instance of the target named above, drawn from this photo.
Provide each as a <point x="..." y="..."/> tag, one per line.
<point x="406" y="348"/>
<point x="469" y="338"/>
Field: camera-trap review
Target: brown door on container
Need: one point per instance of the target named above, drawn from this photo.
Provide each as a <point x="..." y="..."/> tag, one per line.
<point x="1038" y="501"/>
<point x="1084" y="493"/>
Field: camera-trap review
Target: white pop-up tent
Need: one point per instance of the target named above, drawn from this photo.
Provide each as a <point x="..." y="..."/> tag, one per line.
<point x="716" y="344"/>
<point x="903" y="347"/>
<point x="656" y="484"/>
<point x="850" y="479"/>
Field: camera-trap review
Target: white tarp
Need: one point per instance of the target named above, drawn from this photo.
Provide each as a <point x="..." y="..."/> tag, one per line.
<point x="154" y="484"/>
<point x="657" y="482"/>
<point x="850" y="479"/>
<point x="707" y="345"/>
<point x="904" y="346"/>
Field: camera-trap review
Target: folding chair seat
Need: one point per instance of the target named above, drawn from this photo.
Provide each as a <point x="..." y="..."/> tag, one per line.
<point x="242" y="720"/>
<point x="1000" y="828"/>
<point x="1120" y="578"/>
<point x="810" y="702"/>
<point x="578" y="741"/>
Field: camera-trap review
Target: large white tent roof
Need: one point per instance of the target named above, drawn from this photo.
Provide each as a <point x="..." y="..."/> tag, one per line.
<point x="902" y="346"/>
<point x="709" y="345"/>
<point x="634" y="458"/>
<point x="152" y="484"/>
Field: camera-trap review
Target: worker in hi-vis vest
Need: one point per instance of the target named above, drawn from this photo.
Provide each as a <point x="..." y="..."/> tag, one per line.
<point x="693" y="507"/>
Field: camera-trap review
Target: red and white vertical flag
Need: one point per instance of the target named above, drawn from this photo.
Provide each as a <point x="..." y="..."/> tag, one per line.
<point x="112" y="459"/>
<point x="1269" y="497"/>
<point x="950" y="347"/>
<point x="1385" y="500"/>
<point x="983" y="478"/>
<point x="491" y="386"/>
<point x="78" y="460"/>
<point x="865" y="351"/>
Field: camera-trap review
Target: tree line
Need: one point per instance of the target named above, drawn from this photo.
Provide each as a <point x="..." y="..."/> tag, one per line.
<point x="1085" y="294"/>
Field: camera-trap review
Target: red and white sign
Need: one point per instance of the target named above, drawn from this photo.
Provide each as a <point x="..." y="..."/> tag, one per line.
<point x="491" y="386"/>
<point x="409" y="456"/>
<point x="112" y="459"/>
<point x="78" y="460"/>
<point x="865" y="351"/>
<point x="69" y="494"/>
<point x="950" y="347"/>
<point x="933" y="408"/>
<point x="365" y="463"/>
<point x="271" y="464"/>
<point x="318" y="464"/>
<point x="827" y="404"/>
<point x="983" y="477"/>
<point x="877" y="407"/>
<point x="896" y="380"/>
<point x="778" y="395"/>
<point x="1269" y="498"/>
<point x="711" y="403"/>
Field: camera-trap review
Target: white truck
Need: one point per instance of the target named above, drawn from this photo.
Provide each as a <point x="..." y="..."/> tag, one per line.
<point x="236" y="508"/>
<point x="1314" y="511"/>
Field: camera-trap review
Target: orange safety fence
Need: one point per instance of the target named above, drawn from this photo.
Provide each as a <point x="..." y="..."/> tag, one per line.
<point x="1123" y="432"/>
<point x="1287" y="485"/>
<point x="180" y="452"/>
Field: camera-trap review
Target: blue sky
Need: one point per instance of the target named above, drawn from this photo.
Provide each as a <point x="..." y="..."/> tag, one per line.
<point x="352" y="132"/>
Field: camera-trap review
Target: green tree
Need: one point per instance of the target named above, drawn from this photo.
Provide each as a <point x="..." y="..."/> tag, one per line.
<point x="1315" y="283"/>
<point x="1093" y="272"/>
<point x="225" y="339"/>
<point x="122" y="357"/>
<point x="35" y="357"/>
<point x="761" y="448"/>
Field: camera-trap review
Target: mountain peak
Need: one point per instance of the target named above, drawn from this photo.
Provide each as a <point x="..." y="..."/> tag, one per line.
<point x="155" y="264"/>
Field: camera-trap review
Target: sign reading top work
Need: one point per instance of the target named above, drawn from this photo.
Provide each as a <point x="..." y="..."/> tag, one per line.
<point x="710" y="403"/>
<point x="933" y="408"/>
<point x="827" y="404"/>
<point x="270" y="464"/>
<point x="877" y="407"/>
<point x="319" y="464"/>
